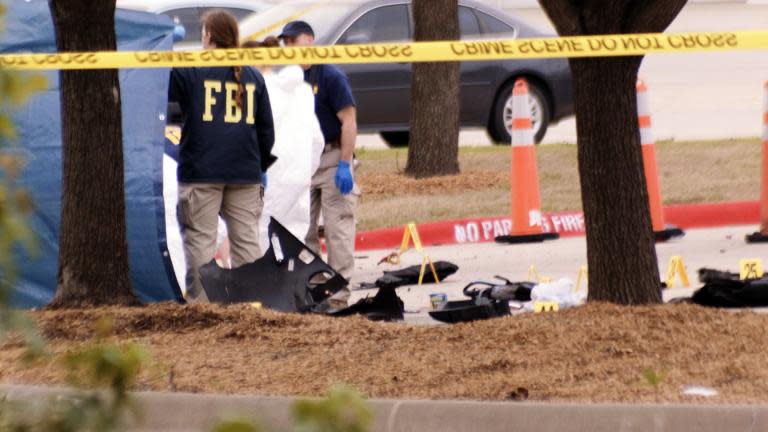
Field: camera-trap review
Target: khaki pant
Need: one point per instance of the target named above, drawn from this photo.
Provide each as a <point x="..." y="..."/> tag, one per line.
<point x="338" y="216"/>
<point x="198" y="211"/>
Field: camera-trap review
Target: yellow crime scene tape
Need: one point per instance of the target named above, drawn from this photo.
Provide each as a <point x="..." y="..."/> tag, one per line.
<point x="571" y="47"/>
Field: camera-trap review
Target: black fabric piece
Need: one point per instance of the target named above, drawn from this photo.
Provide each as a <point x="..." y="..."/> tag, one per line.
<point x="410" y="275"/>
<point x="279" y="279"/>
<point x="470" y="310"/>
<point x="526" y="238"/>
<point x="733" y="293"/>
<point x="668" y="233"/>
<point x="384" y="306"/>
<point x="756" y="237"/>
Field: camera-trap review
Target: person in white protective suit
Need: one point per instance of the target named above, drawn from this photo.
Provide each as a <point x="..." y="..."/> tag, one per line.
<point x="172" y="232"/>
<point x="298" y="146"/>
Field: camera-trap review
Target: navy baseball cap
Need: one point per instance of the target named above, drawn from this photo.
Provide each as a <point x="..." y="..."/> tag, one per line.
<point x="295" y="28"/>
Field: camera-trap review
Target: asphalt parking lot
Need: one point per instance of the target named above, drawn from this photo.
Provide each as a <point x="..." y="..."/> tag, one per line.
<point x="718" y="248"/>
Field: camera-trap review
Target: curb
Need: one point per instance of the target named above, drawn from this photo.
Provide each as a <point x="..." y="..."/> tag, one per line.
<point x="567" y="224"/>
<point x="192" y="412"/>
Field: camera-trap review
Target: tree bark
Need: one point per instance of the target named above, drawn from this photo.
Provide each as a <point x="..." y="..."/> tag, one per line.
<point x="433" y="149"/>
<point x="93" y="251"/>
<point x="621" y="250"/>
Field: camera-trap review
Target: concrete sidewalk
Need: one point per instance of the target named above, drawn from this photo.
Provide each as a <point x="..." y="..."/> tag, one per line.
<point x="170" y="412"/>
<point x="719" y="248"/>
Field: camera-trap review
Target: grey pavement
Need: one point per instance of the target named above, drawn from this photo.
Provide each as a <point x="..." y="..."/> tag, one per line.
<point x="719" y="248"/>
<point x="171" y="412"/>
<point x="692" y="96"/>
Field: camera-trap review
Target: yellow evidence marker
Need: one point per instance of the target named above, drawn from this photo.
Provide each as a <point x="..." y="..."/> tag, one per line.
<point x="412" y="234"/>
<point x="750" y="269"/>
<point x="541" y="306"/>
<point x="581" y="275"/>
<point x="533" y="276"/>
<point x="677" y="268"/>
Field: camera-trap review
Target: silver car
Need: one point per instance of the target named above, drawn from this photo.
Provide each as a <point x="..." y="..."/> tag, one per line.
<point x="186" y="14"/>
<point x="382" y="90"/>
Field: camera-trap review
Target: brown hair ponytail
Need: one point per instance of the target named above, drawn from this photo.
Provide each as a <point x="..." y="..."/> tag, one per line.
<point x="239" y="95"/>
<point x="223" y="30"/>
<point x="268" y="42"/>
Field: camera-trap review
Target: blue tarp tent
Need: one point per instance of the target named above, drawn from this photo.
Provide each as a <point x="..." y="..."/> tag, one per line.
<point x="29" y="28"/>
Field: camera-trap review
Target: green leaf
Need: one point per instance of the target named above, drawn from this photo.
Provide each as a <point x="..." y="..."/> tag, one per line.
<point x="238" y="425"/>
<point x="653" y="378"/>
<point x="343" y="410"/>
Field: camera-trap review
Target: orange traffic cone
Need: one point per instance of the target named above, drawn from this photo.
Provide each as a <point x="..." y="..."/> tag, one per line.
<point x="527" y="222"/>
<point x="762" y="235"/>
<point x="662" y="231"/>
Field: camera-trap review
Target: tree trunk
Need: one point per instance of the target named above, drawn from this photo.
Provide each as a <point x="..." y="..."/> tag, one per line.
<point x="433" y="149"/>
<point x="621" y="251"/>
<point x="93" y="251"/>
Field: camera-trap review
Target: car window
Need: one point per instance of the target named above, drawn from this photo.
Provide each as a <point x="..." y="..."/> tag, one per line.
<point x="384" y="24"/>
<point x="238" y="13"/>
<point x="190" y="19"/>
<point x="492" y="25"/>
<point x="324" y="20"/>
<point x="468" y="25"/>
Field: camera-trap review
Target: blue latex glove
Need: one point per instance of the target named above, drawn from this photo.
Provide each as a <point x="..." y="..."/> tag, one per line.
<point x="344" y="178"/>
<point x="264" y="179"/>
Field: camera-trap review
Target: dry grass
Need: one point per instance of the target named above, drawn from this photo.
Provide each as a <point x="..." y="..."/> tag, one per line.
<point x="597" y="352"/>
<point x="691" y="172"/>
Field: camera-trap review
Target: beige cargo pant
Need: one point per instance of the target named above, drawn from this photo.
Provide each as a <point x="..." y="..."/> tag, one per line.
<point x="338" y="215"/>
<point x="198" y="211"/>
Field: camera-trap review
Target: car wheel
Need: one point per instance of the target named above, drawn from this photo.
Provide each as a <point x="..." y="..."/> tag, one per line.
<point x="395" y="138"/>
<point x="500" y="128"/>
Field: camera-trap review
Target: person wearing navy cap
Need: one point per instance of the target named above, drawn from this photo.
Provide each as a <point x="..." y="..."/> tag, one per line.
<point x="333" y="190"/>
<point x="294" y="29"/>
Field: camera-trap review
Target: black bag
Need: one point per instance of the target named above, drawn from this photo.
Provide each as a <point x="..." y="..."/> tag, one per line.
<point x="410" y="275"/>
<point x="489" y="300"/>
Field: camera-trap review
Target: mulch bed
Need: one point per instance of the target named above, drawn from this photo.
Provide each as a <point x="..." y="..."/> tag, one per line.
<point x="597" y="352"/>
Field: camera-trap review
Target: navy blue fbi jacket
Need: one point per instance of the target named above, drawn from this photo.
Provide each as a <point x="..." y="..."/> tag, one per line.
<point x="220" y="142"/>
<point x="332" y="94"/>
